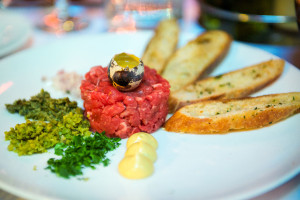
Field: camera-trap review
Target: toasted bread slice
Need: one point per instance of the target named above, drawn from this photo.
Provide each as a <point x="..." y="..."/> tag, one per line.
<point x="235" y="84"/>
<point x="198" y="56"/>
<point x="220" y="116"/>
<point x="162" y="45"/>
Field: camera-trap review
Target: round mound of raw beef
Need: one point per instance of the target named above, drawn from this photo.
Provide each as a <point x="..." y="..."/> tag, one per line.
<point x="121" y="114"/>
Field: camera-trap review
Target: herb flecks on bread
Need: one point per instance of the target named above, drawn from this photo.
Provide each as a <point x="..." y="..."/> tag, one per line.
<point x="235" y="84"/>
<point x="196" y="58"/>
<point x="221" y="116"/>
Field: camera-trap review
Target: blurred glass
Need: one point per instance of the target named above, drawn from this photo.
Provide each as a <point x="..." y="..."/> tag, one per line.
<point x="297" y="8"/>
<point x="61" y="21"/>
<point x="128" y="15"/>
<point x="4" y="3"/>
<point x="256" y="21"/>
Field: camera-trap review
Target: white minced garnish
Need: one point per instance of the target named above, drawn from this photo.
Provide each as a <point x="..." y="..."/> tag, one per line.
<point x="68" y="82"/>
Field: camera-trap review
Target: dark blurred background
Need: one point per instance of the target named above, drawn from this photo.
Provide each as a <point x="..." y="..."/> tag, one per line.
<point x="259" y="21"/>
<point x="268" y="24"/>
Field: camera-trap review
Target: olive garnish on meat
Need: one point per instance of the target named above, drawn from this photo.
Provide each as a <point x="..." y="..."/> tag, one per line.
<point x="125" y="71"/>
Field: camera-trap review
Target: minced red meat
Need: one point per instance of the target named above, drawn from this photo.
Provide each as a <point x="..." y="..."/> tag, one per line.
<point x="121" y="114"/>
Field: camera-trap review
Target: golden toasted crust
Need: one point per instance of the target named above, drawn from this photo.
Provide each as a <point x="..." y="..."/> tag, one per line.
<point x="162" y="45"/>
<point x="196" y="58"/>
<point x="235" y="84"/>
<point x="221" y="116"/>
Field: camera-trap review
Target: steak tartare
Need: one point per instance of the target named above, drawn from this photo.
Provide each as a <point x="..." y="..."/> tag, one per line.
<point x="121" y="114"/>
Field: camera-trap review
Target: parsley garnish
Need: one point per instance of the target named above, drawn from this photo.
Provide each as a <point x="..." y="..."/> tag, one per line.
<point x="82" y="152"/>
<point x="61" y="125"/>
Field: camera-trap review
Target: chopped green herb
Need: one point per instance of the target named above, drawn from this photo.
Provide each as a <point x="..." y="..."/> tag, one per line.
<point x="209" y="90"/>
<point x="268" y="106"/>
<point x="270" y="122"/>
<point x="61" y="124"/>
<point x="38" y="136"/>
<point x="293" y="98"/>
<point x="255" y="108"/>
<point x="32" y="137"/>
<point x="226" y="84"/>
<point x="218" y="77"/>
<point x="82" y="152"/>
<point x="73" y="124"/>
<point x="83" y="179"/>
<point x="43" y="107"/>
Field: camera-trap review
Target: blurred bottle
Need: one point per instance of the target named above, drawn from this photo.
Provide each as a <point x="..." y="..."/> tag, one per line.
<point x="257" y="21"/>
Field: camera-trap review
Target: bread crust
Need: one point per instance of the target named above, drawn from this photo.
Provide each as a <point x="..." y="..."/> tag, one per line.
<point x="248" y="118"/>
<point x="273" y="69"/>
<point x="162" y="45"/>
<point x="197" y="58"/>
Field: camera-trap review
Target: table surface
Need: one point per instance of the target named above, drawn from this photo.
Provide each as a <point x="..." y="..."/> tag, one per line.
<point x="98" y="23"/>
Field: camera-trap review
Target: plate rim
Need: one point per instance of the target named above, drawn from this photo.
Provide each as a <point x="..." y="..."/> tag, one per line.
<point x="26" y="33"/>
<point x="37" y="196"/>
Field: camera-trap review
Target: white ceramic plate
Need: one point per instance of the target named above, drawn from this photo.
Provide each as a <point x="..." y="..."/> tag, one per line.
<point x="15" y="31"/>
<point x="236" y="165"/>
